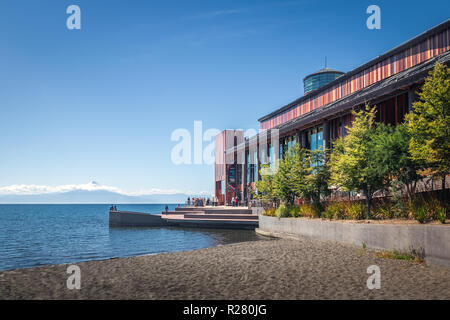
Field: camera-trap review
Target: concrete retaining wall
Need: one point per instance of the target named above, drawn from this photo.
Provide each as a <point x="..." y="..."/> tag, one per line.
<point x="257" y="210"/>
<point x="433" y="239"/>
<point x="135" y="219"/>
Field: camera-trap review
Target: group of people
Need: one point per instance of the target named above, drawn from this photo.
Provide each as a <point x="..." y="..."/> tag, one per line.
<point x="113" y="208"/>
<point x="201" y="202"/>
<point x="235" y="201"/>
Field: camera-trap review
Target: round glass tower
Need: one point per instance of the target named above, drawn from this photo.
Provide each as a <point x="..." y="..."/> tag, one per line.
<point x="320" y="78"/>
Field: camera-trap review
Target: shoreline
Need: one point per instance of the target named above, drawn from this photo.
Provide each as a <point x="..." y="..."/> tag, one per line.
<point x="275" y="269"/>
<point x="263" y="238"/>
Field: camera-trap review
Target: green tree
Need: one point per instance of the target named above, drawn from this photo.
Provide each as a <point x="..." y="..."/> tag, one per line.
<point x="393" y="156"/>
<point x="301" y="169"/>
<point x="429" y="123"/>
<point x="283" y="184"/>
<point x="310" y="174"/>
<point x="353" y="160"/>
<point x="265" y="185"/>
<point x="317" y="180"/>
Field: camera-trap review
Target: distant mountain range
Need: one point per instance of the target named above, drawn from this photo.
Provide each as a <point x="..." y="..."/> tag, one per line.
<point x="89" y="193"/>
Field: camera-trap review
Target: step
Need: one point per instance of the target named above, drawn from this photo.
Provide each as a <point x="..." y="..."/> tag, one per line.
<point x="222" y="216"/>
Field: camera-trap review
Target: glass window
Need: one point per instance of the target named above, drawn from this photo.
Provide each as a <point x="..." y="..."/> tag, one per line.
<point x="255" y="167"/>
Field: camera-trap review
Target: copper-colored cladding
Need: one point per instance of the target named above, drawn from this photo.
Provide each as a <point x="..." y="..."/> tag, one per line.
<point x="390" y="82"/>
<point x="420" y="49"/>
<point x="224" y="190"/>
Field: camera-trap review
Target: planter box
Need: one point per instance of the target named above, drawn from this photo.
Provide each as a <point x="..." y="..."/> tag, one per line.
<point x="433" y="239"/>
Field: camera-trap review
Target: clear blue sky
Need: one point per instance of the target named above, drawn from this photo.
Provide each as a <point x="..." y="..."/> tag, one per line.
<point x="100" y="103"/>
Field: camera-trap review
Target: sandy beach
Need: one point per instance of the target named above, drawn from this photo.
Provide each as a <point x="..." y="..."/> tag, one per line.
<point x="275" y="269"/>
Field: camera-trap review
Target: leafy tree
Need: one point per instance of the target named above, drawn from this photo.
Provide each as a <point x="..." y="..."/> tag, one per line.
<point x="283" y="184"/>
<point x="310" y="174"/>
<point x="265" y="185"/>
<point x="393" y="156"/>
<point x="306" y="175"/>
<point x="353" y="160"/>
<point x="429" y="124"/>
<point x="301" y="169"/>
<point x="317" y="180"/>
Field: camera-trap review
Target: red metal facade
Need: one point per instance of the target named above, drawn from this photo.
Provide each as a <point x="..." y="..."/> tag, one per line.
<point x="415" y="54"/>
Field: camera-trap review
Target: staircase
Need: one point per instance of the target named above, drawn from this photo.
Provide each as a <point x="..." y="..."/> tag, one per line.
<point x="216" y="217"/>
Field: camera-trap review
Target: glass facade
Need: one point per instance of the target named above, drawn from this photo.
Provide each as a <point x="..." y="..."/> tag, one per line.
<point x="315" y="138"/>
<point x="290" y="143"/>
<point x="255" y="167"/>
<point x="319" y="79"/>
<point x="270" y="156"/>
<point x="252" y="167"/>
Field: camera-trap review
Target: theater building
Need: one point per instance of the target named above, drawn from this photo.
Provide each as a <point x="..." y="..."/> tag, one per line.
<point x="389" y="82"/>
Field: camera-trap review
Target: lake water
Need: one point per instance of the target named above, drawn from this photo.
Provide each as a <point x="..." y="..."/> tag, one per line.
<point x="43" y="234"/>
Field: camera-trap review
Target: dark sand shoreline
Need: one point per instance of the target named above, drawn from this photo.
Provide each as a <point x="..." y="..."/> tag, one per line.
<point x="277" y="269"/>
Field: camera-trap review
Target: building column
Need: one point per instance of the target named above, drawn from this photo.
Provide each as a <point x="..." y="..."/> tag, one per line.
<point x="297" y="137"/>
<point x="245" y="174"/>
<point x="412" y="97"/>
<point x="326" y="135"/>
<point x="303" y="139"/>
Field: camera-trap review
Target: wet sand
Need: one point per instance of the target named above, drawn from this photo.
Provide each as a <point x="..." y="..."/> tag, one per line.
<point x="276" y="269"/>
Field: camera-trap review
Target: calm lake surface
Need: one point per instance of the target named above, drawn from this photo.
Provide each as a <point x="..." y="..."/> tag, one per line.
<point x="43" y="234"/>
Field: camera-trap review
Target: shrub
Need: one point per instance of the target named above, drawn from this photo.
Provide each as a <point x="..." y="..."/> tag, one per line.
<point x="294" y="211"/>
<point x="336" y="210"/>
<point x="356" y="211"/>
<point x="413" y="207"/>
<point x="304" y="210"/>
<point x="309" y="210"/>
<point x="269" y="212"/>
<point x="384" y="210"/>
<point x="441" y="214"/>
<point x="421" y="214"/>
<point x="316" y="210"/>
<point x="328" y="214"/>
<point x="282" y="211"/>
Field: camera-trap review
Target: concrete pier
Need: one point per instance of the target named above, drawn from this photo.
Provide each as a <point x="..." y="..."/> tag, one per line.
<point x="200" y="217"/>
<point x="135" y="219"/>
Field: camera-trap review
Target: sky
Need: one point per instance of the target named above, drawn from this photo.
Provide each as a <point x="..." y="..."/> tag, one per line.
<point x="101" y="103"/>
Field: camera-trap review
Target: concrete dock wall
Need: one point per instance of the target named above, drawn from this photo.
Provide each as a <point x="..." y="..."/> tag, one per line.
<point x="138" y="219"/>
<point x="135" y="219"/>
<point x="434" y="240"/>
<point x="215" y="210"/>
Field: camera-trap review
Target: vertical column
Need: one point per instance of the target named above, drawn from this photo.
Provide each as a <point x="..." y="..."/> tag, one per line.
<point x="253" y="149"/>
<point x="412" y="96"/>
<point x="258" y="160"/>
<point x="240" y="160"/>
<point x="245" y="173"/>
<point x="326" y="135"/>
<point x="298" y="137"/>
<point x="303" y="139"/>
